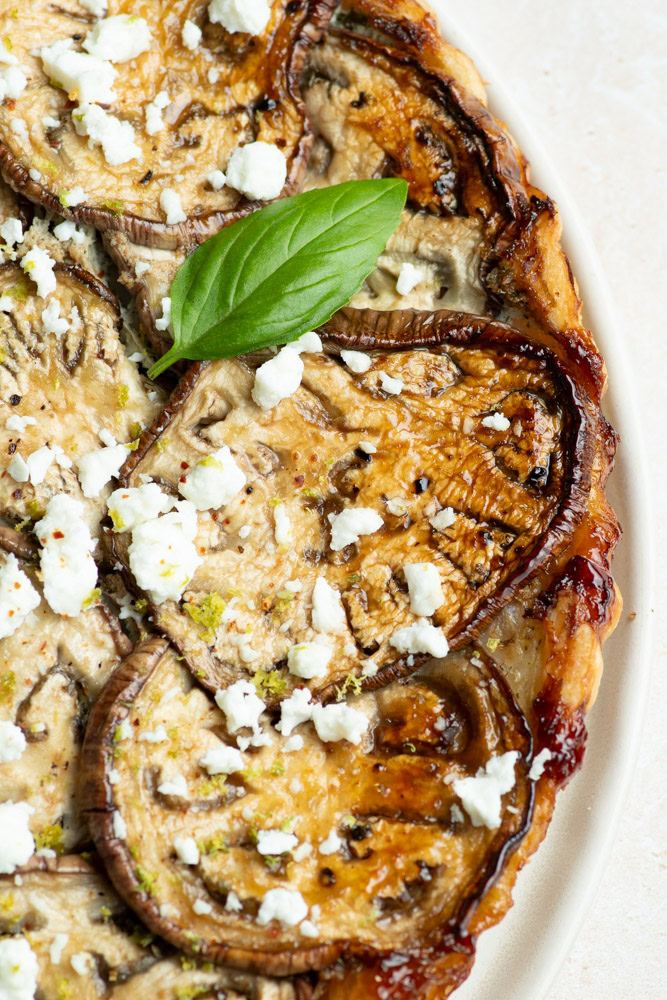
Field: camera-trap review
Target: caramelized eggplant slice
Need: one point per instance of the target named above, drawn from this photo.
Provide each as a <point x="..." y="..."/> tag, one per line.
<point x="390" y="98"/>
<point x="51" y="670"/>
<point x="66" y="387"/>
<point x="392" y="857"/>
<point x="341" y="442"/>
<point x="231" y="89"/>
<point x="89" y="945"/>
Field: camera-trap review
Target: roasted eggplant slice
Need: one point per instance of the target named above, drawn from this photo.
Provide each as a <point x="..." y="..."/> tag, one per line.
<point x="51" y="670"/>
<point x="512" y="489"/>
<point x="62" y="389"/>
<point x="90" y="946"/>
<point x="375" y="847"/>
<point x="172" y="114"/>
<point x="398" y="101"/>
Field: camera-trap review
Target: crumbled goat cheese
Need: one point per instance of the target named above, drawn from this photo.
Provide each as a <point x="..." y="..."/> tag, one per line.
<point x="408" y="278"/>
<point x="66" y="561"/>
<point x="283" y="527"/>
<point x="67" y="230"/>
<point x="356" y="361"/>
<point x="222" y="760"/>
<point x="240" y="705"/>
<point x="244" y="531"/>
<point x="57" y="948"/>
<point x="170" y="203"/>
<point x="258" y="170"/>
<point x="141" y="267"/>
<point x="186" y="850"/>
<point x="331" y="845"/>
<point x="368" y="447"/>
<point x="18" y="469"/>
<point x="277" y="378"/>
<point x="11" y="231"/>
<point x="201" y="907"/>
<point x="39" y="462"/>
<point x="96" y="7"/>
<point x="19" y="127"/>
<point x="6" y="56"/>
<point x="96" y="468"/>
<point x="124" y="731"/>
<point x="162" y="554"/>
<point x="392" y="386"/>
<point x="233" y="904"/>
<point x="16" y="841"/>
<point x="116" y="137"/>
<point x="307" y="343"/>
<point x="118" y="39"/>
<point x="422" y="637"/>
<point x="114" y="776"/>
<point x="81" y="75"/>
<point x="164" y="322"/>
<point x="73" y="197"/>
<point x="293" y="744"/>
<point x="12" y="740"/>
<point x="303" y="850"/>
<point x="119" y="826"/>
<point x="328" y="612"/>
<point x="131" y="507"/>
<point x="52" y="321"/>
<point x="350" y="524"/>
<point x="190" y="34"/>
<point x="369" y="669"/>
<point x="250" y="16"/>
<point x="443" y="519"/>
<point x="308" y="660"/>
<point x="284" y="905"/>
<point x="216" y="179"/>
<point x="18" y="969"/>
<point x="13" y="82"/>
<point x="214" y="481"/>
<point x="154" y="120"/>
<point x="157" y="735"/>
<point x="339" y="722"/>
<point x="274" y="842"/>
<point x="424" y="588"/>
<point x="38" y="265"/>
<point x="496" y="421"/>
<point x="481" y="795"/>
<point x="308" y="929"/>
<point x="295" y="710"/>
<point x="456" y="815"/>
<point x="6" y="303"/>
<point x="82" y="963"/>
<point x="18" y="597"/>
<point x="174" y="786"/>
<point x="539" y="763"/>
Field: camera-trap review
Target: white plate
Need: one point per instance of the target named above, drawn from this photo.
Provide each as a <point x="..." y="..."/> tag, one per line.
<point x="519" y="959"/>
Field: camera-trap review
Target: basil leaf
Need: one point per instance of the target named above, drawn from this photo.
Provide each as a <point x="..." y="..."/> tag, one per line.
<point x="281" y="271"/>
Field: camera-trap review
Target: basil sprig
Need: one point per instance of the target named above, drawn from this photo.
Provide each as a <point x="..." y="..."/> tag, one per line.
<point x="281" y="271"/>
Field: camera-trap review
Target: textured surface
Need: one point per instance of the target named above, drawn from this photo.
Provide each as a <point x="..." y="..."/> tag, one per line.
<point x="593" y="80"/>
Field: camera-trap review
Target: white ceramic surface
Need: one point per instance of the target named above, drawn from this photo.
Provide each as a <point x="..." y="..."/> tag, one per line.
<point x="519" y="959"/>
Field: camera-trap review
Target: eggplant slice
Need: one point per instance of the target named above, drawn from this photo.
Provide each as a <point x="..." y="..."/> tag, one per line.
<point x="387" y="97"/>
<point x="341" y="441"/>
<point x="393" y="859"/>
<point x="232" y="89"/>
<point x="72" y="386"/>
<point x="69" y="911"/>
<point x="51" y="670"/>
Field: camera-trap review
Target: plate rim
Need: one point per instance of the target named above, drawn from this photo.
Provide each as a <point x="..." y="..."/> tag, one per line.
<point x="637" y="572"/>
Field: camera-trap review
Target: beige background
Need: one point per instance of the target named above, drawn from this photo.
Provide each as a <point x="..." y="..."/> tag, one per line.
<point x="591" y="80"/>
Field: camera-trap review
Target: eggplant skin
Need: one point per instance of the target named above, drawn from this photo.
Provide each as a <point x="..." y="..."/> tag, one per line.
<point x="428" y="867"/>
<point x="256" y="97"/>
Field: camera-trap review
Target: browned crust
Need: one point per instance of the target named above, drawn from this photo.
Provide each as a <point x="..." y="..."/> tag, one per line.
<point x="112" y="708"/>
<point x="301" y="34"/>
